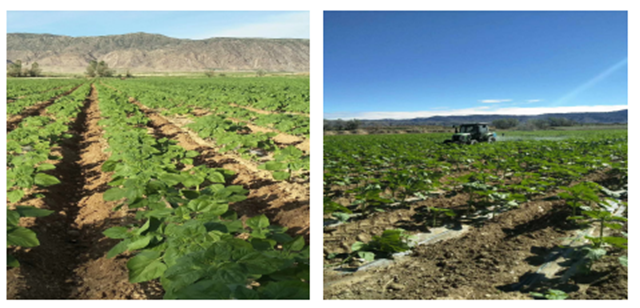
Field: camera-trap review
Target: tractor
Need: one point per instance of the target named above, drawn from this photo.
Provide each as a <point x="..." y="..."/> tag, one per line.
<point x="472" y="133"/>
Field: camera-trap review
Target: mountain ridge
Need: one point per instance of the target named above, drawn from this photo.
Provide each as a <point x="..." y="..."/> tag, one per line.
<point x="619" y="116"/>
<point x="144" y="52"/>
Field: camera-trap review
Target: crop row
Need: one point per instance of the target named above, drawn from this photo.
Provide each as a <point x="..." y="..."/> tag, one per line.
<point x="368" y="174"/>
<point x="17" y="88"/>
<point x="217" y="97"/>
<point x="29" y="153"/>
<point x="285" y="163"/>
<point x="186" y="236"/>
<point x="274" y="94"/>
<point x="18" y="106"/>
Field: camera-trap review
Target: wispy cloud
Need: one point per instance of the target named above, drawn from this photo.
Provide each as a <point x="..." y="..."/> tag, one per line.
<point x="472" y="111"/>
<point x="287" y="25"/>
<point x="494" y="101"/>
<point x="534" y="100"/>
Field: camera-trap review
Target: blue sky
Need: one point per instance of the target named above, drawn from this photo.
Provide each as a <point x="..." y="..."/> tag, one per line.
<point x="178" y="24"/>
<point x="419" y="64"/>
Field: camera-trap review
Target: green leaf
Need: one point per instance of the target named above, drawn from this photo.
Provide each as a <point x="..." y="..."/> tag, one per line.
<point x="23" y="237"/>
<point x="357" y="246"/>
<point x="13" y="218"/>
<point x="118" y="249"/>
<point x="45" y="167"/>
<point x="613" y="226"/>
<point x="623" y="261"/>
<point x="281" y="176"/>
<point x="191" y="154"/>
<point x="114" y="194"/>
<point x="139" y="242"/>
<point x="117" y="233"/>
<point x="109" y="166"/>
<point x="30" y="211"/>
<point x="257" y="222"/>
<point x="295" y="245"/>
<point x="12" y="261"/>
<point x="216" y="177"/>
<point x="273" y="166"/>
<point x="366" y="255"/>
<point x="145" y="266"/>
<point x="45" y="180"/>
<point x="170" y="179"/>
<point x="15" y="195"/>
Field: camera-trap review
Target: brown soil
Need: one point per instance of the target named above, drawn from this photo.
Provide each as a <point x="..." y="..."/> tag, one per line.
<point x="286" y="204"/>
<point x="71" y="262"/>
<point x="32" y="110"/>
<point x="485" y="263"/>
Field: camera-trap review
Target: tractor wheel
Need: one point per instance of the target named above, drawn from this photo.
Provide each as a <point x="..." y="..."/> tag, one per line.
<point x="472" y="142"/>
<point x="491" y="139"/>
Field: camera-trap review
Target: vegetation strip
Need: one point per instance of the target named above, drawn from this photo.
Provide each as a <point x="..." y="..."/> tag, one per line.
<point x="186" y="227"/>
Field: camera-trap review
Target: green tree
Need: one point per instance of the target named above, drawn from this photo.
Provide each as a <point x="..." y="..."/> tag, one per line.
<point x="210" y="72"/>
<point x="92" y="69"/>
<point x="98" y="69"/>
<point x="35" y="70"/>
<point x="15" y="69"/>
<point x="505" y="123"/>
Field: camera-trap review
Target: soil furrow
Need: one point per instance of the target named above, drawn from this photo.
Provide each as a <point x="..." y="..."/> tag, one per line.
<point x="32" y="110"/>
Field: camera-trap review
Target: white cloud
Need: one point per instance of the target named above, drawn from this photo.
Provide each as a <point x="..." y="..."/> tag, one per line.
<point x="471" y="111"/>
<point x="534" y="100"/>
<point x="494" y="101"/>
<point x="289" y="25"/>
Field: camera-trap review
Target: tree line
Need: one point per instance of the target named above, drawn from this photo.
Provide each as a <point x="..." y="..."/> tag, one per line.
<point x="533" y="123"/>
<point x="94" y="69"/>
<point x="15" y="70"/>
<point x="340" y="124"/>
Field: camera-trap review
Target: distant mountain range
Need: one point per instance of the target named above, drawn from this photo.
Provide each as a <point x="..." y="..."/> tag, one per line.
<point x="143" y="52"/>
<point x="580" y="117"/>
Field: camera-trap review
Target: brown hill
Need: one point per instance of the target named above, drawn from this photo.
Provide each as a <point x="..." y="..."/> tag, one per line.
<point x="143" y="52"/>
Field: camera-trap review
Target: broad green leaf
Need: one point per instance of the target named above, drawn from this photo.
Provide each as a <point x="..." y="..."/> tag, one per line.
<point x="257" y="222"/>
<point x="45" y="167"/>
<point x="45" y="180"/>
<point x="12" y="261"/>
<point x="30" y="211"/>
<point x="281" y="176"/>
<point x="114" y="194"/>
<point x="23" y="237"/>
<point x="145" y="266"/>
<point x="117" y="233"/>
<point x="15" y="195"/>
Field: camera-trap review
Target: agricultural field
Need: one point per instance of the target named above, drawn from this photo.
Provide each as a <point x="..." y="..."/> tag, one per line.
<point x="152" y="188"/>
<point x="536" y="215"/>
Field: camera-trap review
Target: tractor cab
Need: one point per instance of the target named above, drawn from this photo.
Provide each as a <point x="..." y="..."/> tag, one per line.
<point x="472" y="133"/>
